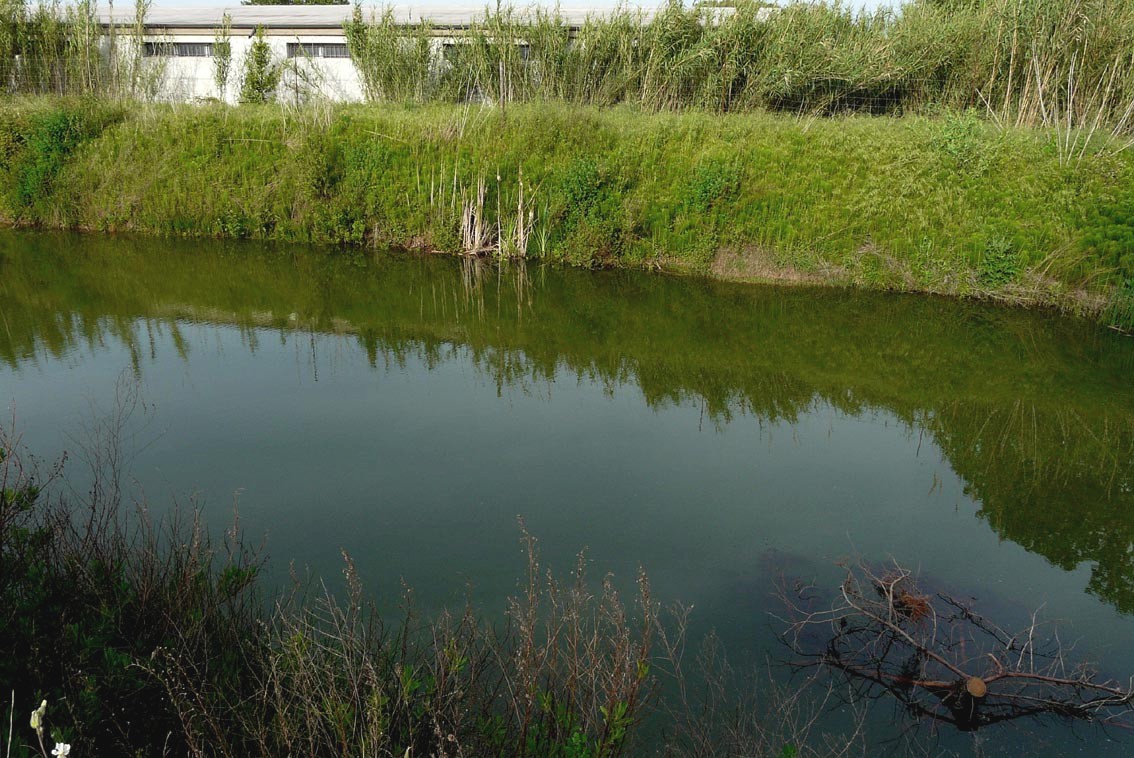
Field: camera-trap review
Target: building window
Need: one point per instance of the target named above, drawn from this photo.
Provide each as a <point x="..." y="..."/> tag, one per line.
<point x="317" y="50"/>
<point x="178" y="49"/>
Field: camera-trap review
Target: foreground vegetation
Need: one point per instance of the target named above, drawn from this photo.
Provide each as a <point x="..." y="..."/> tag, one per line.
<point x="951" y="204"/>
<point x="141" y="636"/>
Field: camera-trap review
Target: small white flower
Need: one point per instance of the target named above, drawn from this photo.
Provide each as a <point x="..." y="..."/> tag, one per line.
<point x="37" y="717"/>
<point x="61" y="748"/>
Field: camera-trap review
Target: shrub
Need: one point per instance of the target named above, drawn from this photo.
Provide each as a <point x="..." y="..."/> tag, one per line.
<point x="88" y="598"/>
<point x="42" y="145"/>
<point x="1000" y="264"/>
<point x="261" y="72"/>
<point x="222" y="55"/>
<point x="1108" y="235"/>
<point x="712" y="182"/>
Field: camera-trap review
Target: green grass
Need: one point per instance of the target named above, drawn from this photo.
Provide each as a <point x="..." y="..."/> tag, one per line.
<point x="949" y="204"/>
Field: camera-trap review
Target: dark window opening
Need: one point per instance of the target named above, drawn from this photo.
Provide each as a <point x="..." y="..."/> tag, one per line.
<point x="317" y="50"/>
<point x="178" y="49"/>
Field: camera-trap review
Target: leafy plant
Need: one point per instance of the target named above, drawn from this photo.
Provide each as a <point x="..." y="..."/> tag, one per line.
<point x="47" y="142"/>
<point x="222" y="55"/>
<point x="1000" y="264"/>
<point x="961" y="140"/>
<point x="1108" y="236"/>
<point x="261" y="72"/>
<point x="713" y="182"/>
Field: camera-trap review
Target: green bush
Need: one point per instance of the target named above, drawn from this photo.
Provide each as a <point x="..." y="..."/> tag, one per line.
<point x="713" y="182"/>
<point x="1000" y="265"/>
<point x="962" y="140"/>
<point x="38" y="149"/>
<point x="86" y="612"/>
<point x="1108" y="236"/>
<point x="587" y="213"/>
<point x="261" y="72"/>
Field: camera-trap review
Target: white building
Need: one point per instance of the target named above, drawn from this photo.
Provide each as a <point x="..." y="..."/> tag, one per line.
<point x="182" y="42"/>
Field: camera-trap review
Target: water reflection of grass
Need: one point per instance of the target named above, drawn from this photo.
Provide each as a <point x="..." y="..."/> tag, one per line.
<point x="1033" y="412"/>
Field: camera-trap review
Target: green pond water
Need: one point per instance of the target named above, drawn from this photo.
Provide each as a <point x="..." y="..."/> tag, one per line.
<point x="408" y="409"/>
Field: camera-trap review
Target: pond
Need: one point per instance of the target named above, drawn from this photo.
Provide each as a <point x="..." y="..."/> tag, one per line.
<point x="409" y="409"/>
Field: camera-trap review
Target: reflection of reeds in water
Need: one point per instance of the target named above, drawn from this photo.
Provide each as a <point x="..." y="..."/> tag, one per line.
<point x="1040" y="449"/>
<point x="1030" y="412"/>
<point x="1055" y="482"/>
<point x="509" y="277"/>
<point x="472" y="279"/>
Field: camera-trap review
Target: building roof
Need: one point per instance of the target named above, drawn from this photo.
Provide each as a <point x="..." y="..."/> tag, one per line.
<point x="319" y="16"/>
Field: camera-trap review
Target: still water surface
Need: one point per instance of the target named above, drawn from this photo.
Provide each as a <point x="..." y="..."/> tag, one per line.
<point x="408" y="409"/>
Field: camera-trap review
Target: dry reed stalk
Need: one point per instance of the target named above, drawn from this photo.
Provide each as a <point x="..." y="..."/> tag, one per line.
<point x="474" y="238"/>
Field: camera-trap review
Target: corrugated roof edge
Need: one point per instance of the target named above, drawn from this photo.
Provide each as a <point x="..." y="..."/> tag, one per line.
<point x="321" y="16"/>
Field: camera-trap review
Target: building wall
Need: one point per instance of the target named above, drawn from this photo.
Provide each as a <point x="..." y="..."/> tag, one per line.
<point x="191" y="78"/>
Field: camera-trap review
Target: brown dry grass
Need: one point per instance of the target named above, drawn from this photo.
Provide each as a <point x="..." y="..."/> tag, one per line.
<point x="753" y="263"/>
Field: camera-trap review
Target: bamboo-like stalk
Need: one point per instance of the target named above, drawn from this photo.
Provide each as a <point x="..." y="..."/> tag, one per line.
<point x="802" y="58"/>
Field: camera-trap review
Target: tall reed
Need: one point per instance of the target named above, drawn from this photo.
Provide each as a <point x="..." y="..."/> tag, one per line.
<point x="54" y="49"/>
<point x="1027" y="62"/>
<point x="394" y="63"/>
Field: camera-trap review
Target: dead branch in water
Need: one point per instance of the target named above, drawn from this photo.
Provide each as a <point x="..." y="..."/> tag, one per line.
<point x="942" y="660"/>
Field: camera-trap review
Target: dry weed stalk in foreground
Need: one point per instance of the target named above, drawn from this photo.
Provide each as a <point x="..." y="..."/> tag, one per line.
<point x="158" y="618"/>
<point x="570" y="671"/>
<point x="943" y="661"/>
<point x="717" y="709"/>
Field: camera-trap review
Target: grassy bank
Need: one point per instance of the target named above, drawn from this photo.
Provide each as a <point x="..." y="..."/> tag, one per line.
<point x="949" y="204"/>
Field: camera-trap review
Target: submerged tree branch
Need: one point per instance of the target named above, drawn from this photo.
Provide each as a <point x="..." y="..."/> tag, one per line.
<point x="943" y="661"/>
